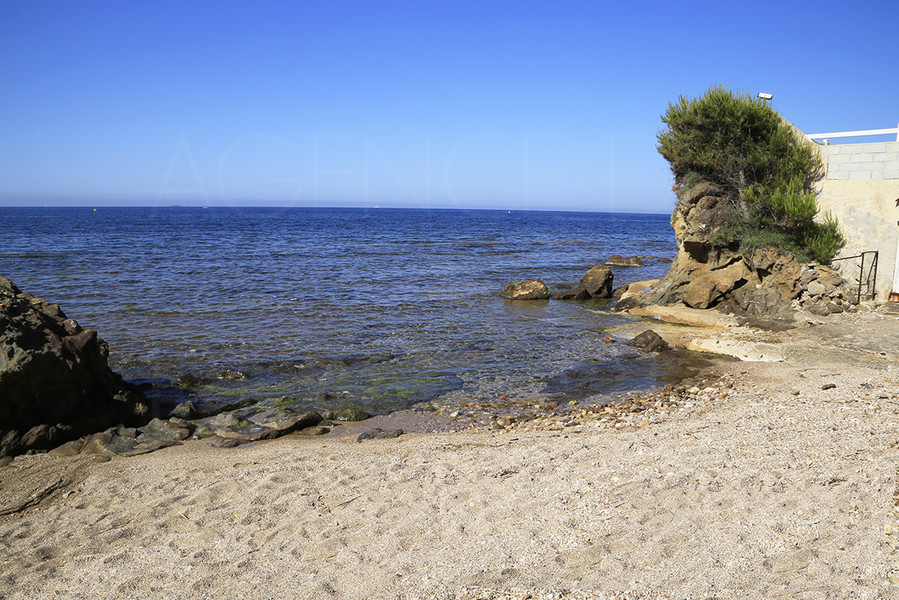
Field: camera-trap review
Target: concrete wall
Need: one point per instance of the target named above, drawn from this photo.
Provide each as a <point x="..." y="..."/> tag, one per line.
<point x="860" y="189"/>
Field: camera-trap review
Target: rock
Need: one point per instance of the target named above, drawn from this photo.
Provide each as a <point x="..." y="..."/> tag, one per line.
<point x="706" y="275"/>
<point x="231" y="374"/>
<point x="217" y="442"/>
<point x="620" y="291"/>
<point x="816" y="288"/>
<point x="98" y="442"/>
<point x="530" y="289"/>
<point x="158" y="429"/>
<point x="315" y="430"/>
<point x="345" y="414"/>
<point x="250" y="424"/>
<point x="5" y="460"/>
<point x="185" y="410"/>
<point x="622" y="261"/>
<point x="828" y="386"/>
<point x="55" y="380"/>
<point x="69" y="448"/>
<point x="284" y="420"/>
<point x="379" y="434"/>
<point x="665" y="260"/>
<point x="189" y="380"/>
<point x="575" y="293"/>
<point x="828" y="276"/>
<point x="648" y="341"/>
<point x="596" y="283"/>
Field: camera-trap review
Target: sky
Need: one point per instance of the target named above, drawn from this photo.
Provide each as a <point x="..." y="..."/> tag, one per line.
<point x="490" y="104"/>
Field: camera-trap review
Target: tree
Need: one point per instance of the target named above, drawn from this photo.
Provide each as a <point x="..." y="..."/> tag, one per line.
<point x="767" y="168"/>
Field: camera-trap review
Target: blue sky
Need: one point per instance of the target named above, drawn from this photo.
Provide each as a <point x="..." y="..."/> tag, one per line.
<point x="511" y="105"/>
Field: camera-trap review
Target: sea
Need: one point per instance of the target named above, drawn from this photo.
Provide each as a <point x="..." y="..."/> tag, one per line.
<point x="378" y="309"/>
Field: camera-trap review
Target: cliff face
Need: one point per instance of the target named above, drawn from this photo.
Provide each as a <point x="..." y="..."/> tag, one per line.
<point x="705" y="275"/>
<point x="55" y="380"/>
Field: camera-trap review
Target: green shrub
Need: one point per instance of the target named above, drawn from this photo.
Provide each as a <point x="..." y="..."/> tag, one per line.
<point x="767" y="169"/>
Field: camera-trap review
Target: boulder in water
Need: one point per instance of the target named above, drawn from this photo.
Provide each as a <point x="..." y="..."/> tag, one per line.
<point x="529" y="289"/>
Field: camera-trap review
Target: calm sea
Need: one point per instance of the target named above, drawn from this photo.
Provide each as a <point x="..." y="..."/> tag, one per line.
<point x="375" y="308"/>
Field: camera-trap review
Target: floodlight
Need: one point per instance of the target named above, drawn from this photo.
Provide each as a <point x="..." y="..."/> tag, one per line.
<point x="765" y="96"/>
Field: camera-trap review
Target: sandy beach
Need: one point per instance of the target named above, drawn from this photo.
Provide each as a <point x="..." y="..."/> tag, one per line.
<point x="775" y="480"/>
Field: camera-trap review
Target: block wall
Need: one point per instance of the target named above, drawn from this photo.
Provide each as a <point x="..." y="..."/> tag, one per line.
<point x="878" y="160"/>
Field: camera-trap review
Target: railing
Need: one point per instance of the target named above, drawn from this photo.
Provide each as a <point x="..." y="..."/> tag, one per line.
<point x="844" y="134"/>
<point x="866" y="281"/>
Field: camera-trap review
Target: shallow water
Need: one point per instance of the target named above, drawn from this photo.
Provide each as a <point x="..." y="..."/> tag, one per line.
<point x="379" y="309"/>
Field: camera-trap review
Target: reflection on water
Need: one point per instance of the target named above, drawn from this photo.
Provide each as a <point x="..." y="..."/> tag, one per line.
<point x="379" y="309"/>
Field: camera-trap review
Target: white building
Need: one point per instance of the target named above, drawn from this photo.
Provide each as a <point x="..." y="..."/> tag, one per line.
<point x="861" y="189"/>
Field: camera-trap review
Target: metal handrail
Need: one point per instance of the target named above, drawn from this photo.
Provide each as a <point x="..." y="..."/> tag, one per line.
<point x="872" y="277"/>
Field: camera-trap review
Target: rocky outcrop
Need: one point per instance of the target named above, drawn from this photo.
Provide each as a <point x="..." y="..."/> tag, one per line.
<point x="596" y="283"/>
<point x="706" y="275"/>
<point x="530" y="289"/>
<point x="55" y="380"/>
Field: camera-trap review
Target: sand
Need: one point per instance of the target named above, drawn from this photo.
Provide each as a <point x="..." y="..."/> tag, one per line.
<point x="767" y="486"/>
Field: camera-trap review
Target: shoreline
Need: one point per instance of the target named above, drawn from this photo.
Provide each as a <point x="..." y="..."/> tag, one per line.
<point x="772" y="484"/>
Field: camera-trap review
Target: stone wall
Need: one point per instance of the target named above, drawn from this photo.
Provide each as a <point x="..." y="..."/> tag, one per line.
<point x="860" y="188"/>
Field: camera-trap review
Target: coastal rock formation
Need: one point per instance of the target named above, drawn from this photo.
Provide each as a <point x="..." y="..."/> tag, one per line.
<point x="55" y="381"/>
<point x="596" y="283"/>
<point x="624" y="261"/>
<point x="530" y="289"/>
<point x="706" y="275"/>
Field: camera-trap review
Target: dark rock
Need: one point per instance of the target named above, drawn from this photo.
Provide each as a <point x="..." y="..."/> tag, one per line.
<point x="284" y="420"/>
<point x="185" y="410"/>
<point x="189" y="380"/>
<point x="55" y="380"/>
<point x="248" y="425"/>
<point x="158" y="429"/>
<point x="379" y="434"/>
<point x="648" y="341"/>
<point x="575" y="293"/>
<point x="181" y="423"/>
<point x="530" y="289"/>
<point x="828" y="386"/>
<point x="620" y="291"/>
<point x="5" y="460"/>
<point x="596" y="283"/>
<point x="345" y="414"/>
<point x="624" y="261"/>
<point x="665" y="260"/>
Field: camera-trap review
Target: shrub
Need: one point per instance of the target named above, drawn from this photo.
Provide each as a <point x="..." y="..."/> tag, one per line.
<point x="767" y="169"/>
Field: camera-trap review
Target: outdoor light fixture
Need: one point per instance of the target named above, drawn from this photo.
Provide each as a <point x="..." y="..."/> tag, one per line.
<point x="765" y="96"/>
